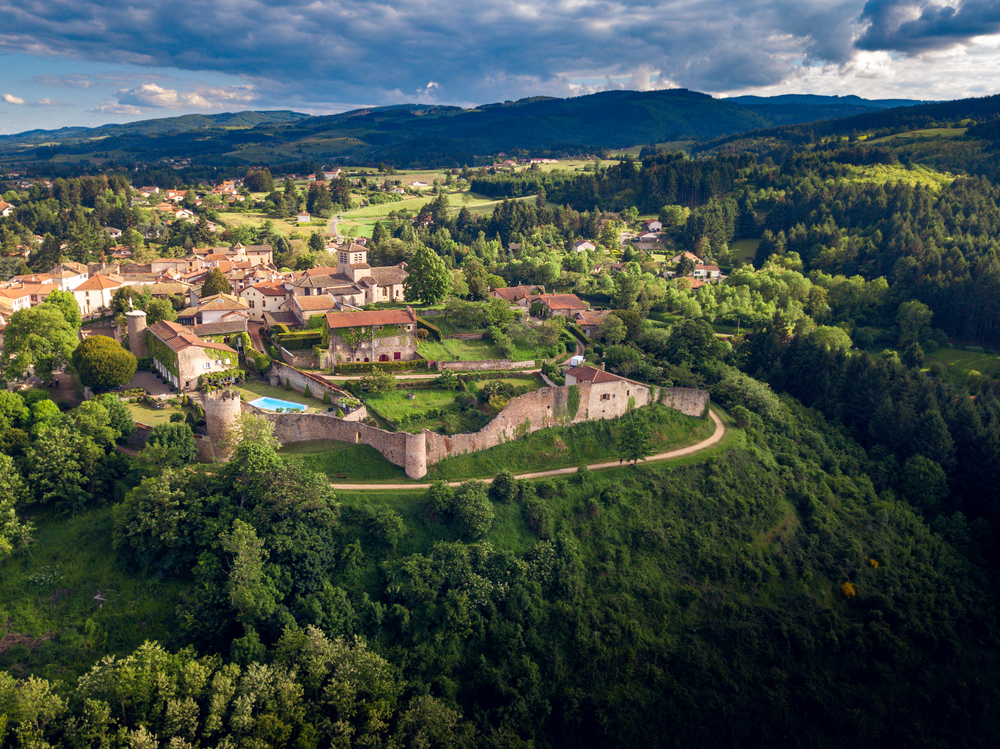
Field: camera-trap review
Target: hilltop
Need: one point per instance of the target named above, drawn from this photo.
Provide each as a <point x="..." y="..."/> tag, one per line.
<point x="412" y="134"/>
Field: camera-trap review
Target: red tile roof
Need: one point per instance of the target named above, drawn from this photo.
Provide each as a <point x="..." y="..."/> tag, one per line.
<point x="371" y="317"/>
<point x="590" y="374"/>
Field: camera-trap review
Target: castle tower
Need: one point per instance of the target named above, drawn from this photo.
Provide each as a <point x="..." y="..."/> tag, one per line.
<point x="138" y="342"/>
<point x="222" y="409"/>
<point x="416" y="456"/>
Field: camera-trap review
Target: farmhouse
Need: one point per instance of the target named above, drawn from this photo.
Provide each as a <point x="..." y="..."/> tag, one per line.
<point x="371" y="336"/>
<point x="559" y="304"/>
<point x="219" y="308"/>
<point x="264" y="297"/>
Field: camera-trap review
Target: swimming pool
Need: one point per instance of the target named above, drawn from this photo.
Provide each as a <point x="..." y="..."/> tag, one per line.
<point x="273" y="404"/>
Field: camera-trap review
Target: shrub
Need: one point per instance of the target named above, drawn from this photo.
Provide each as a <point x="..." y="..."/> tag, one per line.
<point x="378" y="381"/>
<point x="472" y="510"/>
<point x="174" y="418"/>
<point x="504" y="488"/>
<point x="178" y="437"/>
<point x="288" y="385"/>
<point x="447" y="380"/>
<point x="307" y="392"/>
<point x="326" y="396"/>
<point x="386" y="366"/>
<point x="102" y="363"/>
<point x="433" y="331"/>
<point x="847" y="590"/>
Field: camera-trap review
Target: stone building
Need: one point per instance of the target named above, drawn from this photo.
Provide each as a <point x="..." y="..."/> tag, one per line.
<point x="372" y="336"/>
<point x="181" y="356"/>
<point x="353" y="282"/>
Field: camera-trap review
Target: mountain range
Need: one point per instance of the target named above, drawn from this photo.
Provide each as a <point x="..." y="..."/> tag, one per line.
<point x="425" y="135"/>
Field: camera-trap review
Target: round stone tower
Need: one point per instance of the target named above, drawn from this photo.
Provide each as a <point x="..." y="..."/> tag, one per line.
<point x="416" y="456"/>
<point x="137" y="341"/>
<point x="222" y="409"/>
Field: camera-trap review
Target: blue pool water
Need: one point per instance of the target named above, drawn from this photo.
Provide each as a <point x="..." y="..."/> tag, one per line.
<point x="273" y="404"/>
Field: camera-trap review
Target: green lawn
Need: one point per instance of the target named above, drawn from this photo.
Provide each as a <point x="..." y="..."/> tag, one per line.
<point x="561" y="447"/>
<point x="394" y="405"/>
<point x="144" y="414"/>
<point x="958" y="363"/>
<point x="53" y="622"/>
<point x="743" y="250"/>
<point x="358" y="462"/>
<point x="455" y="349"/>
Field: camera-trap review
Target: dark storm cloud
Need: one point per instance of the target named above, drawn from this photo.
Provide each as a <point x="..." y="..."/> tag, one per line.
<point x="914" y="27"/>
<point x="314" y="53"/>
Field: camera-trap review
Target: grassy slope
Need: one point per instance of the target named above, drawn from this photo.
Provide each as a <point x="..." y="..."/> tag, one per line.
<point x="51" y="624"/>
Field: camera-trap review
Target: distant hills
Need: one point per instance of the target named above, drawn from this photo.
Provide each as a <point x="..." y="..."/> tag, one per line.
<point x="414" y="134"/>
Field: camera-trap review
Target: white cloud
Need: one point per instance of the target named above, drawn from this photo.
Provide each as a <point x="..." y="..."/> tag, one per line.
<point x="153" y="95"/>
<point x="113" y="107"/>
<point x="10" y="99"/>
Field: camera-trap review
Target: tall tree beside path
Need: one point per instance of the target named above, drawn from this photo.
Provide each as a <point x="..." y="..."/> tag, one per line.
<point x="429" y="279"/>
<point x="635" y="438"/>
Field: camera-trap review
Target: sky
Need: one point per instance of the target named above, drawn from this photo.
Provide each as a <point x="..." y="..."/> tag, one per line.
<point x="93" y="62"/>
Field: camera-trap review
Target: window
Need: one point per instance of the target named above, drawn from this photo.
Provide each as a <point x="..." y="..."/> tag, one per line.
<point x="395" y="355"/>
<point x="208" y="365"/>
<point x="252" y="303"/>
<point x="605" y="396"/>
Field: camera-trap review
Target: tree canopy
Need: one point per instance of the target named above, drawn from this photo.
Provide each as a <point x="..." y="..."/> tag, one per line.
<point x="102" y="364"/>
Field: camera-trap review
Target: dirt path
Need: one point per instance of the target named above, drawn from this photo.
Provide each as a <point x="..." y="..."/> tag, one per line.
<point x="680" y="452"/>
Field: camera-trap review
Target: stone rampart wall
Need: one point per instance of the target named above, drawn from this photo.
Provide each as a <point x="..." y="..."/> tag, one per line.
<point x="486" y="365"/>
<point x="300" y="427"/>
<point x="688" y="401"/>
<point x="539" y="409"/>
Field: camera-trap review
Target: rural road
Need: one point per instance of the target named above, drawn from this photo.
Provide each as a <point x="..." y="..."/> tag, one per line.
<point x="714" y="438"/>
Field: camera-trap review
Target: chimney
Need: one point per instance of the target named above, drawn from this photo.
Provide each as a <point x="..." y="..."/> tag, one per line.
<point x="602" y="366"/>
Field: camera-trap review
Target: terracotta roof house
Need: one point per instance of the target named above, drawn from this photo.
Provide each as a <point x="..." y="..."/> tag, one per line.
<point x="590" y="374"/>
<point x="182" y="357"/>
<point x="217" y="308"/>
<point x="560" y="304"/>
<point x="517" y="294"/>
<point x="6" y="208"/>
<point x="370" y="336"/>
<point x="263" y="297"/>
<point x="16" y="298"/>
<point x="93" y="296"/>
<point x="706" y="271"/>
<point x="305" y="307"/>
<point x="589" y="320"/>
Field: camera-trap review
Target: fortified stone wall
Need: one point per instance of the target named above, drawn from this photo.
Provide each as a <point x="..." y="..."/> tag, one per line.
<point x="546" y="407"/>
<point x="292" y="359"/>
<point x="486" y="365"/>
<point x="539" y="409"/>
<point x="300" y="427"/>
<point x="688" y="401"/>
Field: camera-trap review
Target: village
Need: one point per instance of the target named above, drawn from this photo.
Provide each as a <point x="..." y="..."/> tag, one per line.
<point x="310" y="341"/>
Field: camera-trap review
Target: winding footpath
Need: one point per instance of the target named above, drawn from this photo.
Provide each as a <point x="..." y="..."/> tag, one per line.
<point x="713" y="439"/>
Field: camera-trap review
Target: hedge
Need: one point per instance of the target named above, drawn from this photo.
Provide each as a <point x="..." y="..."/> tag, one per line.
<point x="388" y="366"/>
<point x="299" y="341"/>
<point x="434" y="330"/>
<point x="281" y="328"/>
<point x="260" y="362"/>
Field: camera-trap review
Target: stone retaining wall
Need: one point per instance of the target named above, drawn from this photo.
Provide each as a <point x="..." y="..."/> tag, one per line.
<point x="298" y="380"/>
<point x="485" y="365"/>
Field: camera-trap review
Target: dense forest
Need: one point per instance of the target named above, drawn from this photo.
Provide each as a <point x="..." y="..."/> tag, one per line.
<point x="825" y="577"/>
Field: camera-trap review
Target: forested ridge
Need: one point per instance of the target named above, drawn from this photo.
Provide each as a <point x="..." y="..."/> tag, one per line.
<point x="825" y="578"/>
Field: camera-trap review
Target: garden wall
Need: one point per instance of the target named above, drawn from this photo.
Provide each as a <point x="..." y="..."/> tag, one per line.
<point x="298" y="380"/>
<point x="485" y="365"/>
<point x="309" y="360"/>
<point x="688" y="401"/>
